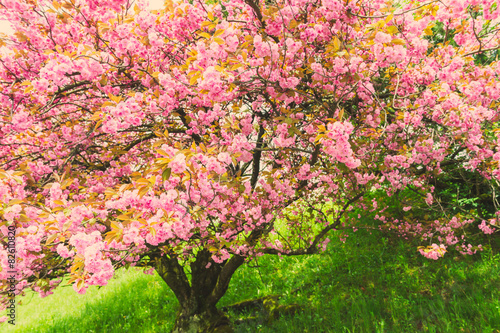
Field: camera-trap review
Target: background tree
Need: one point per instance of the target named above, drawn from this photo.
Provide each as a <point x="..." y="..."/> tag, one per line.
<point x="193" y="138"/>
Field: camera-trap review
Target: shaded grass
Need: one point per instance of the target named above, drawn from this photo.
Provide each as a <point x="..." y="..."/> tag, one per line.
<point x="369" y="284"/>
<point x="378" y="286"/>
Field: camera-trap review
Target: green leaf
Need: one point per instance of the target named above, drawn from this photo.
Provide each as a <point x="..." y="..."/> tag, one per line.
<point x="166" y="174"/>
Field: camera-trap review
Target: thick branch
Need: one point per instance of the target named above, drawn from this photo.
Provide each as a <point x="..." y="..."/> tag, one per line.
<point x="256" y="10"/>
<point x="136" y="142"/>
<point x="224" y="278"/>
<point x="173" y="274"/>
<point x="257" y="154"/>
<point x="71" y="86"/>
<point x="183" y="117"/>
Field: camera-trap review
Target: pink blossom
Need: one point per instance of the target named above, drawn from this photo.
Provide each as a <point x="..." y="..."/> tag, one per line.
<point x="381" y="37"/>
<point x="433" y="252"/>
<point x="178" y="164"/>
<point x="486" y="228"/>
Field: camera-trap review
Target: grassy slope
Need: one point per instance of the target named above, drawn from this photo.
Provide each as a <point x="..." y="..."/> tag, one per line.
<point x="366" y="285"/>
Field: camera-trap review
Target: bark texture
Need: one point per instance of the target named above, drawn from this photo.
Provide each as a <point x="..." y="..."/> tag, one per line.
<point x="198" y="298"/>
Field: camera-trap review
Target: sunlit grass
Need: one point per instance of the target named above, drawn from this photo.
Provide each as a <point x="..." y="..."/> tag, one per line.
<point x="132" y="302"/>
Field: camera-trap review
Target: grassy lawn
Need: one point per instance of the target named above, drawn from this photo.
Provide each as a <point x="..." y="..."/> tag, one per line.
<point x="369" y="284"/>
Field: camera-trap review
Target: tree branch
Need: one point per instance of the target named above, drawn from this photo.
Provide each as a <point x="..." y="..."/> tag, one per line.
<point x="173" y="274"/>
<point x="257" y="154"/>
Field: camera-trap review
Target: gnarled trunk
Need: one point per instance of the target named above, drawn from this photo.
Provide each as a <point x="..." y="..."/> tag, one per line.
<point x="195" y="317"/>
<point x="198" y="297"/>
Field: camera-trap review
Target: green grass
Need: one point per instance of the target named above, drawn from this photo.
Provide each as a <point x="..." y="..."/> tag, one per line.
<point x="131" y="302"/>
<point x="369" y="284"/>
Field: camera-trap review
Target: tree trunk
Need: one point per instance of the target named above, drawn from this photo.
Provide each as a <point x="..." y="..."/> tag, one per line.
<point x="197" y="318"/>
<point x="198" y="297"/>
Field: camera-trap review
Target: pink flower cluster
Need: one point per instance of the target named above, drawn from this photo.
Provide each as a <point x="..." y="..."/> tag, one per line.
<point x="337" y="144"/>
<point x="433" y="252"/>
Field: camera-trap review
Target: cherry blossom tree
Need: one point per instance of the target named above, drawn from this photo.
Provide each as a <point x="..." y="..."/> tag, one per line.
<point x="191" y="139"/>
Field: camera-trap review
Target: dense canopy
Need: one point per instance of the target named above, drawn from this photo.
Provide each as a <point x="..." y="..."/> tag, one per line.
<point x="194" y="137"/>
